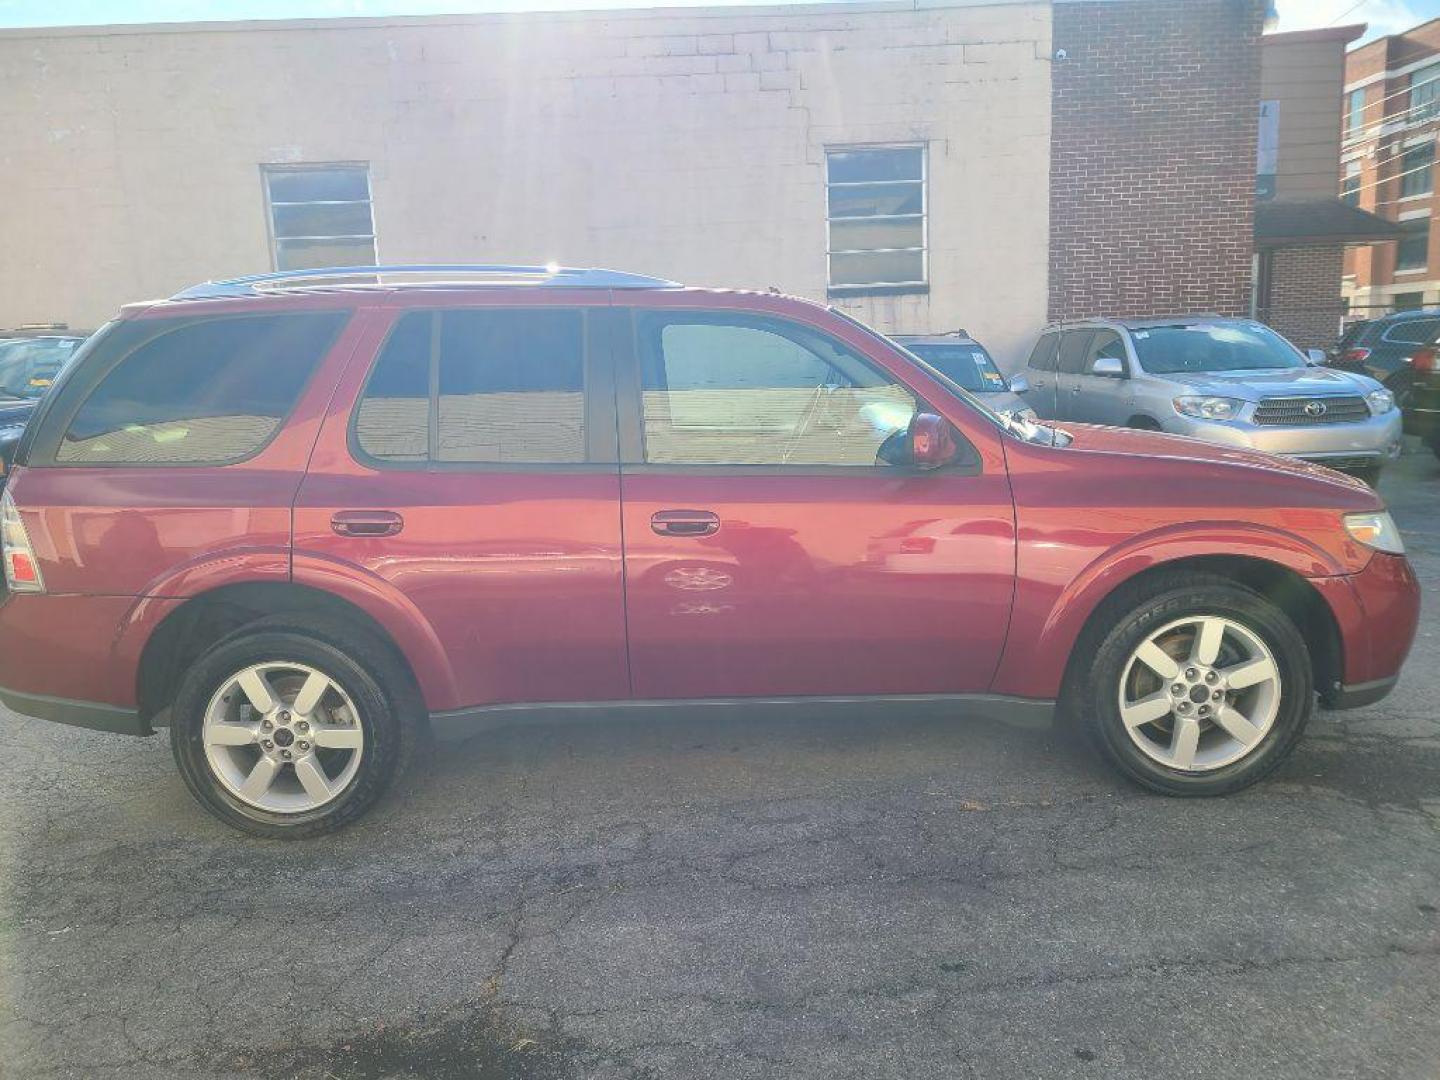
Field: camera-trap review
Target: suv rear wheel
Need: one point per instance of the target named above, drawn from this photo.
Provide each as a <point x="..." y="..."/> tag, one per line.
<point x="288" y="731"/>
<point x="1201" y="688"/>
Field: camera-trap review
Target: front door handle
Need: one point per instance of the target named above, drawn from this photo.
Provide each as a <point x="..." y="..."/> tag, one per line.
<point x="685" y="523"/>
<point x="367" y="523"/>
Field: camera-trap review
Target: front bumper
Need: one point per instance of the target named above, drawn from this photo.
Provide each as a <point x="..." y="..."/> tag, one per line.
<point x="1369" y="442"/>
<point x="1377" y="612"/>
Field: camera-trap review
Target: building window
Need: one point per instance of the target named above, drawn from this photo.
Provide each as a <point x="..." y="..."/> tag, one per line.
<point x="1415" y="171"/>
<point x="320" y="216"/>
<point x="876" y="203"/>
<point x="1425" y="93"/>
<point x="1350" y="186"/>
<point x="1413" y="250"/>
<point x="1355" y="112"/>
<point x="1408" y="301"/>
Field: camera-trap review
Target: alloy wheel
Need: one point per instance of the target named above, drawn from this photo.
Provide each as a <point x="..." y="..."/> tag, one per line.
<point x="1200" y="693"/>
<point x="283" y="737"/>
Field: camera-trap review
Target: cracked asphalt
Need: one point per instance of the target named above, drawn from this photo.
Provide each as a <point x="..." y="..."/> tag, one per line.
<point x="881" y="894"/>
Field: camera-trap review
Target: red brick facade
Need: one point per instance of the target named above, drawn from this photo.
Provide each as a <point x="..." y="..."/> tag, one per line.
<point x="1152" y="172"/>
<point x="1301" y="298"/>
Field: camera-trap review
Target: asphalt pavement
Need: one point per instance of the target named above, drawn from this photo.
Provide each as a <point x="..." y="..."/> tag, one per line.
<point x="881" y="894"/>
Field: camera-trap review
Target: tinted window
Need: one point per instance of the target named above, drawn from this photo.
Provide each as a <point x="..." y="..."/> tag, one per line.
<point x="512" y="386"/>
<point x="1042" y="357"/>
<point x="200" y="392"/>
<point x="969" y="365"/>
<point x="1074" y="345"/>
<point x="511" y="389"/>
<point x="1165" y="350"/>
<point x="393" y="420"/>
<point x="735" y="390"/>
<point x="1414" y="331"/>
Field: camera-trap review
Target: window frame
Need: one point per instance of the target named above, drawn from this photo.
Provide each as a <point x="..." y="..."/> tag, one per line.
<point x="1355" y="111"/>
<point x="1410" y="175"/>
<point x="1424" y="264"/>
<point x="891" y="288"/>
<point x="631" y="409"/>
<point x="269" y="169"/>
<point x="597" y="332"/>
<point x="1051" y="359"/>
<point x="80" y="385"/>
<point x="1351" y="183"/>
<point x="1426" y="78"/>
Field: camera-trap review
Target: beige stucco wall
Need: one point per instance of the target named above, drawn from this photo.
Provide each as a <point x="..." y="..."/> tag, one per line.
<point x="683" y="143"/>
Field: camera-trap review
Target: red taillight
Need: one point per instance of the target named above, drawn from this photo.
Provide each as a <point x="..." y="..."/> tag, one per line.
<point x="22" y="571"/>
<point x="1423" y="360"/>
<point x="1355" y="356"/>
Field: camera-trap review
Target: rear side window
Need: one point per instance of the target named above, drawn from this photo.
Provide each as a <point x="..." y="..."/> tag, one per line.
<point x="500" y="386"/>
<point x="199" y="393"/>
<point x="1073" y="349"/>
<point x="1042" y="358"/>
<point x="1414" y="331"/>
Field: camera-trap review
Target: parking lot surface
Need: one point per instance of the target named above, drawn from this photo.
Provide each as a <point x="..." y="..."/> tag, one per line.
<point x="880" y="894"/>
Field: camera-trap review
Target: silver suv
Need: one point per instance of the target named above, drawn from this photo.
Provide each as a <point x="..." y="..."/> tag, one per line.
<point x="1230" y="381"/>
<point x="965" y="362"/>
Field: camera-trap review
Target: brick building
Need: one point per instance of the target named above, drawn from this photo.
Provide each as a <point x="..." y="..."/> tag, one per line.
<point x="1302" y="229"/>
<point x="1392" y="115"/>
<point x="924" y="164"/>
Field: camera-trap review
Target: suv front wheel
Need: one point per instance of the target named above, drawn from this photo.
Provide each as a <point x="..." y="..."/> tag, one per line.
<point x="1201" y="688"/>
<point x="285" y="732"/>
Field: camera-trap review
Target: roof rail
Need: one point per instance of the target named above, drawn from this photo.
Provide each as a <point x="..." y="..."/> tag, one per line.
<point x="441" y="275"/>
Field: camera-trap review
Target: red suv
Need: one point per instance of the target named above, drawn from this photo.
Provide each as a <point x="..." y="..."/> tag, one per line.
<point x="298" y="517"/>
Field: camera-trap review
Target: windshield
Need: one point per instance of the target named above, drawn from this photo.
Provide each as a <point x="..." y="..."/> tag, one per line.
<point x="1215" y="346"/>
<point x="967" y="364"/>
<point x="28" y="366"/>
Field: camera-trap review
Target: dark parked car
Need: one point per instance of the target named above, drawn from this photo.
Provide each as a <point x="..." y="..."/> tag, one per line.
<point x="1422" y="403"/>
<point x="28" y="367"/>
<point x="300" y="517"/>
<point x="1384" y="348"/>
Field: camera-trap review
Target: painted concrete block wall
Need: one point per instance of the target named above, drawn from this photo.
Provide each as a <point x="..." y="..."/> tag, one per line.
<point x="688" y="144"/>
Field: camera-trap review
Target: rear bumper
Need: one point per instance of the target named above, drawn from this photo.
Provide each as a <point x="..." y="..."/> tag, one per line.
<point x="86" y="714"/>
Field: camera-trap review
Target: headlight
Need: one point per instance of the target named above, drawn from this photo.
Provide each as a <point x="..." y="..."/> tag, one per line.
<point x="1380" y="401"/>
<point x="1209" y="408"/>
<point x="1375" y="529"/>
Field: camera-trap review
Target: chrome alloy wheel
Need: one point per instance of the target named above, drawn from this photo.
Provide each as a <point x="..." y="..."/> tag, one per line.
<point x="283" y="737"/>
<point x="1200" y="693"/>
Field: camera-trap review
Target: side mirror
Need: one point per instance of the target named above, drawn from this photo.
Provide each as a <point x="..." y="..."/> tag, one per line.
<point x="1108" y="367"/>
<point x="1315" y="357"/>
<point x="1019" y="384"/>
<point x="932" y="443"/>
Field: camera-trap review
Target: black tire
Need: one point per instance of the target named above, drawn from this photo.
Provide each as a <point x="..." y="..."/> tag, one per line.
<point x="1130" y="618"/>
<point x="376" y="680"/>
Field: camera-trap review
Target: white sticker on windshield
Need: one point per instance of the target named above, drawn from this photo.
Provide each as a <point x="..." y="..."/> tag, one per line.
<point x="1142" y="334"/>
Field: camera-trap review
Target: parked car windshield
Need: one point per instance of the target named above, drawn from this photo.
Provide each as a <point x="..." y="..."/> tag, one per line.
<point x="967" y="364"/>
<point x="1214" y="346"/>
<point x="29" y="365"/>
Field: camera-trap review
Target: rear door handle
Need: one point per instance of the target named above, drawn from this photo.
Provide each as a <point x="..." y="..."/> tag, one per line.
<point x="367" y="523"/>
<point x="685" y="523"/>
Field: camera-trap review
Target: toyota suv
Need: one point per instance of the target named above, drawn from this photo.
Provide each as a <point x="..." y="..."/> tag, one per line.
<point x="1228" y="381"/>
<point x="302" y="518"/>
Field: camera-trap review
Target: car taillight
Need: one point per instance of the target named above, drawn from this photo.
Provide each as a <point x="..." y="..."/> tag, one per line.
<point x="1423" y="360"/>
<point x="22" y="569"/>
<point x="1354" y="356"/>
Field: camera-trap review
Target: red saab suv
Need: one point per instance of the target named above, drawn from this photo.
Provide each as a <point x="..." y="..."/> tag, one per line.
<point x="299" y="517"/>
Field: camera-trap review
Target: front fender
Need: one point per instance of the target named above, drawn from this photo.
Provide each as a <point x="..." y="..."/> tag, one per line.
<point x="1050" y="615"/>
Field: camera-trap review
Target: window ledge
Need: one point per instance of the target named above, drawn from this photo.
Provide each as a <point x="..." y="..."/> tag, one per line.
<point x="840" y="291"/>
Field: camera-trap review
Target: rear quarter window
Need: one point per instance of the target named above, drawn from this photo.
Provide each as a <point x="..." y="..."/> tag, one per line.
<point x="206" y="392"/>
<point x="1413" y="332"/>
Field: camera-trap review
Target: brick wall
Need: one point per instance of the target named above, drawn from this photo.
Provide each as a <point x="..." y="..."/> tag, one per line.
<point x="1303" y="300"/>
<point x="1152" y="169"/>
